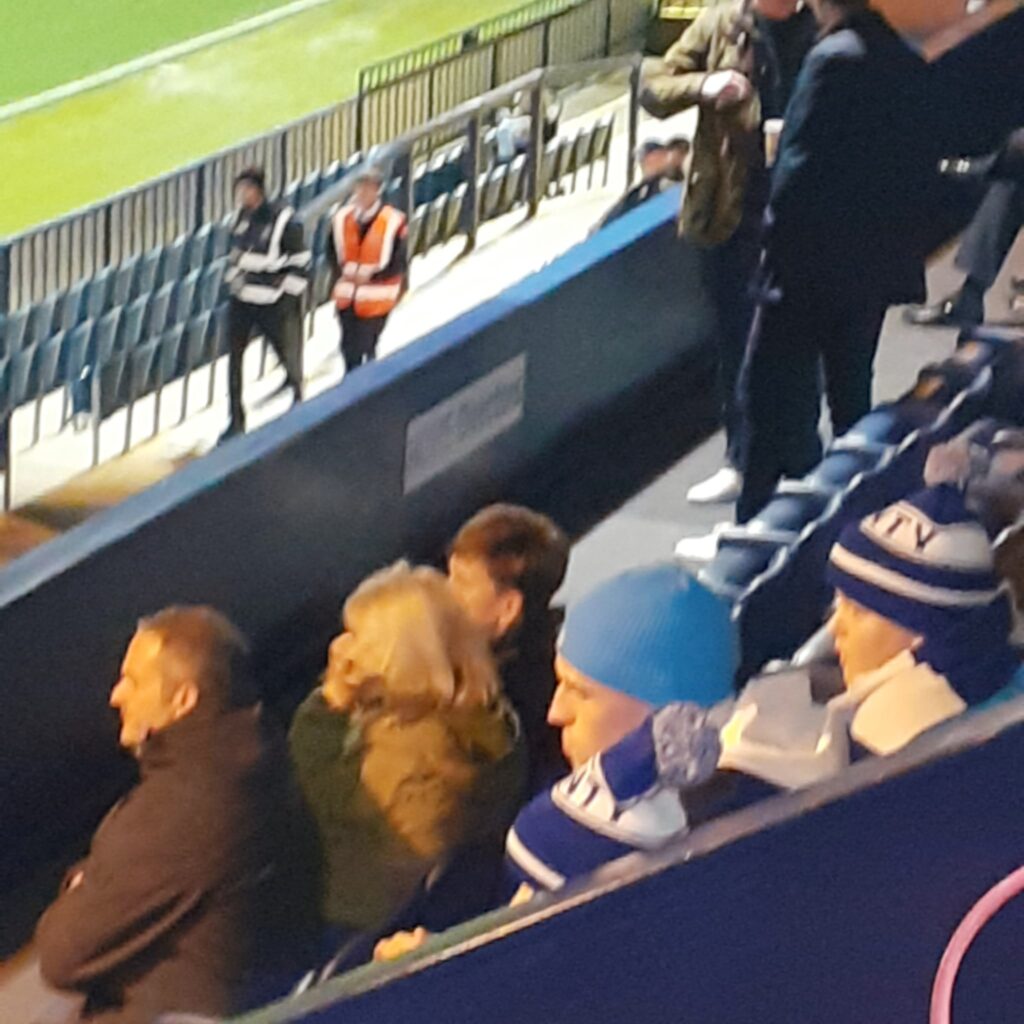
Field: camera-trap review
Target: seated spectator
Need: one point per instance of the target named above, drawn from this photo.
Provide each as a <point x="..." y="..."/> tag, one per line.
<point x="654" y="162"/>
<point x="921" y="626"/>
<point x="642" y="660"/>
<point x="504" y="567"/>
<point x="512" y="132"/>
<point x="407" y="751"/>
<point x="192" y="878"/>
<point x="678" y="147"/>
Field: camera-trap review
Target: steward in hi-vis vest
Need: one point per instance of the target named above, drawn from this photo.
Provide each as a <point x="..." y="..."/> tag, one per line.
<point x="268" y="272"/>
<point x="367" y="252"/>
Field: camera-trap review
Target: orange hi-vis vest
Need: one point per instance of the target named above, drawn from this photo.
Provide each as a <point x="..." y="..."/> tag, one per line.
<point x="362" y="259"/>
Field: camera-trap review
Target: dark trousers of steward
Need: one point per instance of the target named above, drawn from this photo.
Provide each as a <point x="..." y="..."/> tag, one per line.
<point x="281" y="324"/>
<point x="359" y="337"/>
<point x="793" y="338"/>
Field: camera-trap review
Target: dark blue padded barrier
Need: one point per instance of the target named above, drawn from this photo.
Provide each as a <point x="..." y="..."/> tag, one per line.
<point x="275" y="527"/>
<point x="830" y="905"/>
<point x="773" y="567"/>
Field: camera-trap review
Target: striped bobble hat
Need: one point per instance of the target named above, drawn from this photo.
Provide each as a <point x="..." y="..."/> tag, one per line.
<point x="655" y="634"/>
<point x="922" y="562"/>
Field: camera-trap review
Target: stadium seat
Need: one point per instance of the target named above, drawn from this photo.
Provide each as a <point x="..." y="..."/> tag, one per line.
<point x="453" y="213"/>
<point x="417" y="230"/>
<point x="97" y="296"/>
<point x="15" y="332"/>
<point x="318" y="246"/>
<point x="221" y="238"/>
<point x="434" y="229"/>
<point x="24" y="372"/>
<point x="580" y="153"/>
<point x="322" y="275"/>
<point x="44" y="318"/>
<point x="169" y="358"/>
<point x="72" y="311"/>
<point x="160" y="310"/>
<point x="108" y="334"/>
<point x="148" y="273"/>
<point x="491" y="192"/>
<point x="47" y="376"/>
<point x="198" y="249"/>
<point x="309" y="189"/>
<point x="184" y="301"/>
<point x="330" y="176"/>
<point x="196" y="352"/>
<point x="211" y="285"/>
<point x="515" y="190"/>
<point x="133" y="325"/>
<point x="218" y="345"/>
<point x="142" y="379"/>
<point x="123" y="287"/>
<point x="601" y="148"/>
<point x="290" y="194"/>
<point x="172" y="266"/>
<point x="76" y="356"/>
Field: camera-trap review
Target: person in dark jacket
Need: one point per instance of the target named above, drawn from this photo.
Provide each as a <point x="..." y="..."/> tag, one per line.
<point x="848" y="211"/>
<point x="195" y="883"/>
<point x="653" y="159"/>
<point x="987" y="241"/>
<point x="268" y="272"/>
<point x="504" y="566"/>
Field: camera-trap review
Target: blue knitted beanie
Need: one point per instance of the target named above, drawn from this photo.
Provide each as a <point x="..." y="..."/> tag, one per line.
<point x="655" y="634"/>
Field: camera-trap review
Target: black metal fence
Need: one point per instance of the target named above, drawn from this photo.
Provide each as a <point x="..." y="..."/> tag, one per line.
<point x="394" y="97"/>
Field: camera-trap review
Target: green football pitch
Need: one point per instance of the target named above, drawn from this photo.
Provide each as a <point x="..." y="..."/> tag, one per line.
<point x="90" y="145"/>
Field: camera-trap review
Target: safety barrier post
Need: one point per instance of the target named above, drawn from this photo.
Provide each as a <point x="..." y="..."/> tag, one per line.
<point x="5" y="278"/>
<point x="608" y="27"/>
<point x="199" y="211"/>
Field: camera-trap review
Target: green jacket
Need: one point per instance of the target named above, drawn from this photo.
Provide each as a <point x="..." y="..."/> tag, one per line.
<point x="726" y="141"/>
<point x="393" y="798"/>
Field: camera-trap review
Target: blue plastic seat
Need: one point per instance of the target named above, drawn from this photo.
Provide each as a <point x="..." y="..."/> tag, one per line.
<point x="221" y="243"/>
<point x="454" y="205"/>
<point x="98" y="295"/>
<point x="309" y="189"/>
<point x="72" y="310"/>
<point x="195" y="353"/>
<point x="160" y="310"/>
<point x="123" y="286"/>
<point x="169" y="360"/>
<point x="148" y="272"/>
<point x="24" y="373"/>
<point x="184" y="300"/>
<point x="44" y="318"/>
<point x="15" y="331"/>
<point x="601" y="148"/>
<point x="77" y="353"/>
<point x="133" y="324"/>
<point x="199" y="248"/>
<point x="173" y="265"/>
<point x="211" y="285"/>
<point x="142" y="379"/>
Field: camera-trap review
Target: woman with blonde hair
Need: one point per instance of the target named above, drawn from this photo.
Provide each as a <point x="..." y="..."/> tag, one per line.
<point x="407" y="751"/>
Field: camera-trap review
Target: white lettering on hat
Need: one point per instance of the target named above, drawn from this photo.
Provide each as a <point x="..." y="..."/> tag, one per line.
<point x="908" y="533"/>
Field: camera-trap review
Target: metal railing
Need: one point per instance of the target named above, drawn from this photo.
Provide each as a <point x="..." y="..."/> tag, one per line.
<point x="394" y="96"/>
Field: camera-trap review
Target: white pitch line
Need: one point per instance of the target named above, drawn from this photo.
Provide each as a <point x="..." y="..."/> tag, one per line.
<point x="150" y="60"/>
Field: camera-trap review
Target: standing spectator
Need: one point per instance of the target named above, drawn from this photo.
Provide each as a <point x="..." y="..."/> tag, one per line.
<point x="407" y="752"/>
<point x="678" y="147"/>
<point x="652" y="157"/>
<point x="504" y="566"/>
<point x="985" y="245"/>
<point x="848" y="212"/>
<point x="366" y="250"/>
<point x="191" y="877"/>
<point x="268" y="271"/>
<point x="737" y="62"/>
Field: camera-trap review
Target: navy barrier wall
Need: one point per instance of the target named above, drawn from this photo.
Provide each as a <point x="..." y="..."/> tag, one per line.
<point x="833" y="906"/>
<point x="276" y="527"/>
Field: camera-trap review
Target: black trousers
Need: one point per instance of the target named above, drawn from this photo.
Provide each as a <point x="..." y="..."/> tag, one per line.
<point x="728" y="272"/>
<point x="991" y="233"/>
<point x="281" y="325"/>
<point x="359" y="337"/>
<point x="792" y="338"/>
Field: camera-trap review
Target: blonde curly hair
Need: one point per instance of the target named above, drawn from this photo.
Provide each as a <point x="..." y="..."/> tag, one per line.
<point x="408" y="645"/>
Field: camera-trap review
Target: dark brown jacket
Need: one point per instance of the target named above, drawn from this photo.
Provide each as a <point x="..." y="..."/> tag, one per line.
<point x="192" y="888"/>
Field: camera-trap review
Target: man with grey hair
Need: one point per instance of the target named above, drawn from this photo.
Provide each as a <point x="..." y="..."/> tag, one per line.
<point x="205" y="872"/>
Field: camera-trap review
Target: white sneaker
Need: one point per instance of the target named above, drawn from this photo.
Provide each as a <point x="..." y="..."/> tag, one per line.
<point x="723" y="486"/>
<point x="703" y="548"/>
